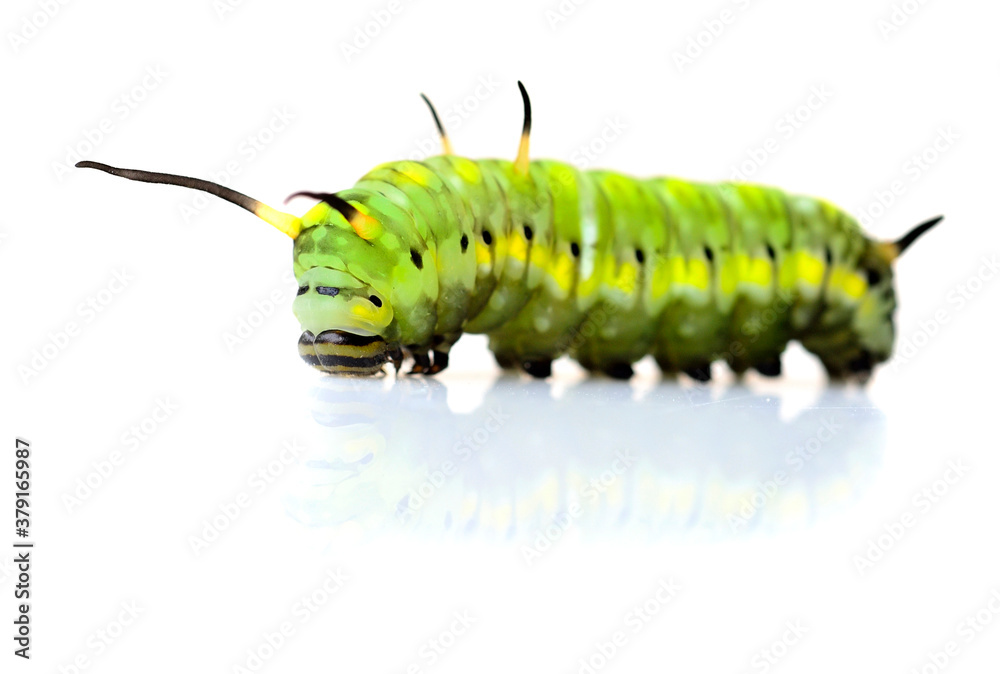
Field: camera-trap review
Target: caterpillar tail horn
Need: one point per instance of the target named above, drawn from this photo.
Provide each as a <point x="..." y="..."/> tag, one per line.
<point x="521" y="162"/>
<point x="285" y="223"/>
<point x="893" y="249"/>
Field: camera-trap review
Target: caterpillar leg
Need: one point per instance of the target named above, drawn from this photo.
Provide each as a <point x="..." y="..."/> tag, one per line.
<point x="539" y="367"/>
<point x="421" y="360"/>
<point x="700" y="373"/>
<point x="618" y="369"/>
<point x="769" y="367"/>
<point x="442" y="347"/>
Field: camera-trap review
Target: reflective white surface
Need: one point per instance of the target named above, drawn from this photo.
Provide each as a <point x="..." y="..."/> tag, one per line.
<point x="601" y="456"/>
<point x="251" y="497"/>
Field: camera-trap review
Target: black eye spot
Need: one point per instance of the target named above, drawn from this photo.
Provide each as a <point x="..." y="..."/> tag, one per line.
<point x="575" y="249"/>
<point x="418" y="261"/>
<point x="770" y="251"/>
<point x="465" y="243"/>
<point x="302" y="290"/>
<point x="873" y="277"/>
<point x="829" y="256"/>
<point x="327" y="290"/>
<point x="528" y="233"/>
<point x="709" y="254"/>
<point x="487" y="237"/>
<point x="375" y="300"/>
<point x="639" y="255"/>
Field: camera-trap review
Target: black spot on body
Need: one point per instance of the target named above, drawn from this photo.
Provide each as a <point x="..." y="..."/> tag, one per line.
<point x="639" y="255"/>
<point x="418" y="261"/>
<point x="829" y="256"/>
<point x="375" y="300"/>
<point x="770" y="251"/>
<point x="873" y="277"/>
<point x="302" y="290"/>
<point x="575" y="249"/>
<point x="528" y="233"/>
<point x="487" y="237"/>
<point x="465" y="243"/>
<point x="327" y="290"/>
<point x="709" y="254"/>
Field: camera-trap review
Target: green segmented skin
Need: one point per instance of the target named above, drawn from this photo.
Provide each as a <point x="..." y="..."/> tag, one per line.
<point x="600" y="266"/>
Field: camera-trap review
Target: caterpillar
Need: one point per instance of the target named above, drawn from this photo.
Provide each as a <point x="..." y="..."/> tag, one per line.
<point x="549" y="260"/>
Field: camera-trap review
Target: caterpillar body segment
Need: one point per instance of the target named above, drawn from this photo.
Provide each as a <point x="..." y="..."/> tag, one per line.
<point x="605" y="268"/>
<point x="549" y="260"/>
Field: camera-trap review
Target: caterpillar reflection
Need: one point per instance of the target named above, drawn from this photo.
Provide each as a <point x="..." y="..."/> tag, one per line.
<point x="549" y="260"/>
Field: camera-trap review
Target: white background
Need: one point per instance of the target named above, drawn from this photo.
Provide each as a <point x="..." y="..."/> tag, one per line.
<point x="696" y="456"/>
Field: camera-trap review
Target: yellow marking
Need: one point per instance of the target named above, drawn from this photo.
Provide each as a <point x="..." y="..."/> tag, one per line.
<point x="419" y="177"/>
<point x="759" y="272"/>
<point x="626" y="278"/>
<point x="661" y="278"/>
<point x="801" y="266"/>
<point x="540" y="257"/>
<point x="521" y="163"/>
<point x="482" y="253"/>
<point x="729" y="272"/>
<point x="363" y="312"/>
<point x="469" y="172"/>
<point x="698" y="274"/>
<point x="287" y="224"/>
<point x="518" y="248"/>
<point x="446" y="144"/>
<point x="365" y="225"/>
<point x="849" y="282"/>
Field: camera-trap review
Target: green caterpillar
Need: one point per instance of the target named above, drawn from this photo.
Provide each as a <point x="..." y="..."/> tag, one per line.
<point x="548" y="260"/>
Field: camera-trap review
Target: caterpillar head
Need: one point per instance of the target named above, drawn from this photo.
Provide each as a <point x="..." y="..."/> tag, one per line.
<point x="343" y="298"/>
<point x="344" y="316"/>
<point x="343" y="321"/>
